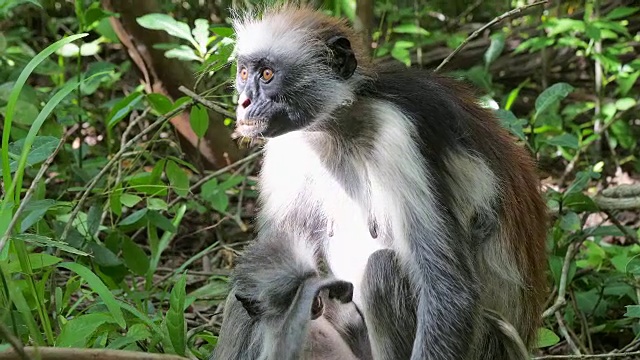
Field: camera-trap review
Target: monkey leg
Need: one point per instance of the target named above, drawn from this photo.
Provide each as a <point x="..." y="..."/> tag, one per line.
<point x="389" y="307"/>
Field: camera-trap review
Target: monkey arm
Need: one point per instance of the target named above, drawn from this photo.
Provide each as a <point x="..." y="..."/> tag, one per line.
<point x="448" y="295"/>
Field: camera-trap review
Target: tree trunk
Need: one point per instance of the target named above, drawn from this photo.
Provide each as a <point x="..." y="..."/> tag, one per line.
<point x="364" y="21"/>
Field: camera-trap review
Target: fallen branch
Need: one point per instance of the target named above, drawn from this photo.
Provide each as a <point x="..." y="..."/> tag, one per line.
<point x="621" y="197"/>
<point x="593" y="356"/>
<point x="52" y="353"/>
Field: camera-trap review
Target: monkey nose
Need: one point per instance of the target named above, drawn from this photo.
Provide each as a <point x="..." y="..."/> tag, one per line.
<point x="244" y="100"/>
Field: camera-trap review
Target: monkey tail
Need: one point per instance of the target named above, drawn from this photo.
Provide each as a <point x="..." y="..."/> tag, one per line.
<point x="512" y="345"/>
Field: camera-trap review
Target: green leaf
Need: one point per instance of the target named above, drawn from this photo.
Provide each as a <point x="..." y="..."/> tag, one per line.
<point x="552" y="94"/>
<point x="495" y="49"/>
<point x="570" y="222"/>
<point x="136" y="332"/>
<point x="134" y="257"/>
<point x="558" y="26"/>
<point x="168" y="24"/>
<point x="93" y="219"/>
<point x="565" y="140"/>
<point x="133" y="218"/>
<point x="40" y="240"/>
<point x="11" y="106"/>
<point x="37" y="261"/>
<point x="633" y="311"/>
<point x="78" y="331"/>
<point x="177" y="178"/>
<point x="35" y="212"/>
<point x="625" y="103"/>
<point x="410" y="29"/>
<point x="199" y="120"/>
<point x="160" y="221"/>
<point x="581" y="181"/>
<point x="546" y="338"/>
<point x="621" y="12"/>
<point x="156" y="204"/>
<point x="222" y="31"/>
<point x="130" y="200"/>
<point x="41" y="149"/>
<point x="174" y="320"/>
<point x="160" y="103"/>
<point x="98" y="287"/>
<point x="626" y="82"/>
<point x="593" y="32"/>
<point x="122" y="108"/>
<point x="211" y="192"/>
<point x="511" y="122"/>
<point x="25" y="112"/>
<point x="579" y="202"/>
<point x="201" y="34"/>
<point x="624" y="134"/>
<point x="183" y="53"/>
<point x="103" y="256"/>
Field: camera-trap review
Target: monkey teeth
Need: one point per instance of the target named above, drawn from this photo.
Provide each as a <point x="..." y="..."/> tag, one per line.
<point x="246" y="122"/>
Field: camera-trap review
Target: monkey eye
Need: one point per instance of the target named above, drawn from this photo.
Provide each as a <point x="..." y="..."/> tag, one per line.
<point x="316" y="308"/>
<point x="267" y="74"/>
<point x="244" y="73"/>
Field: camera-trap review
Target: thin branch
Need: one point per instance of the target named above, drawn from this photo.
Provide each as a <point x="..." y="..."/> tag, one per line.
<point x="561" y="300"/>
<point x="34" y="183"/>
<point x="18" y="349"/>
<point x="92" y="184"/>
<point x="565" y="333"/>
<point x="53" y="353"/>
<point x="593" y="356"/>
<point x="485" y="27"/>
<point x="210" y="104"/>
<point x="217" y="173"/>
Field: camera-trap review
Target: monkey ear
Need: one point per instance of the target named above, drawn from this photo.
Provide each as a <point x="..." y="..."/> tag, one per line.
<point x="338" y="289"/>
<point x="251" y="306"/>
<point x="344" y="59"/>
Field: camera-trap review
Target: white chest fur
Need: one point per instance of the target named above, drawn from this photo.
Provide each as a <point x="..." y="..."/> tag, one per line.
<point x="293" y="174"/>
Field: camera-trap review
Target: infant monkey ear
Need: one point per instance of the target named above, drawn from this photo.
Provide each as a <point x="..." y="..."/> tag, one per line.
<point x="341" y="290"/>
<point x="250" y="305"/>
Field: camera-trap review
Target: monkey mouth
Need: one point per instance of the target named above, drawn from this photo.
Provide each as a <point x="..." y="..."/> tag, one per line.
<point x="251" y="128"/>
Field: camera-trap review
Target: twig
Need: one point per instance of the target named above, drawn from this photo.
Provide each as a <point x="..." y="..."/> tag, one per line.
<point x="592" y="356"/>
<point x="485" y="27"/>
<point x="210" y="104"/>
<point x="5" y="333"/>
<point x="32" y="187"/>
<point x="561" y="300"/>
<point x="53" y="353"/>
<point x="565" y="333"/>
<point x="161" y="120"/>
<point x="628" y="235"/>
<point x="217" y="173"/>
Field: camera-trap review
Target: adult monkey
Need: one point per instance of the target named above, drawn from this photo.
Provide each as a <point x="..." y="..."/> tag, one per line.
<point x="361" y="158"/>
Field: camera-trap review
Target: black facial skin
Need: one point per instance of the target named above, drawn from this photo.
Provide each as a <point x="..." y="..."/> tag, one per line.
<point x="289" y="100"/>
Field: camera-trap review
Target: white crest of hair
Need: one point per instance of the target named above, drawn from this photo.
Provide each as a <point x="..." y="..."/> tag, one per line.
<point x="273" y="34"/>
<point x="293" y="172"/>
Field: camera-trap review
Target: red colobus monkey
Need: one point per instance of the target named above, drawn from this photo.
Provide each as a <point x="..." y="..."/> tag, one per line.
<point x="391" y="179"/>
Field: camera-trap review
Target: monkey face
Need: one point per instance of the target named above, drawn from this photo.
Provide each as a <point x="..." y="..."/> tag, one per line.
<point x="282" y="90"/>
